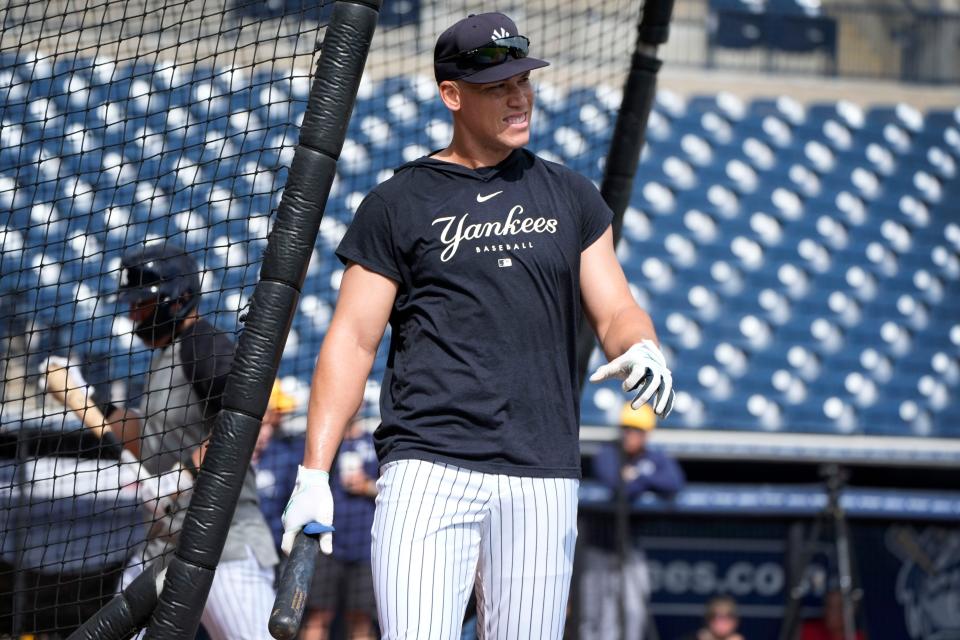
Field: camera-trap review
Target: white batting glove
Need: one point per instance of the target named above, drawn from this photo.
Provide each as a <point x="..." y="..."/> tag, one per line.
<point x="75" y="379"/>
<point x="310" y="501"/>
<point x="130" y="471"/>
<point x="643" y="369"/>
<point x="161" y="493"/>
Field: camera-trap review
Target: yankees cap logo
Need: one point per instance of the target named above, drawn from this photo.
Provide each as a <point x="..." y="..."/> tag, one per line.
<point x="482" y="198"/>
<point x="500" y="33"/>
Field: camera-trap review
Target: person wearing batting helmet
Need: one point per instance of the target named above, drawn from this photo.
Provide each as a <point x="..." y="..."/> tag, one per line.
<point x="160" y="286"/>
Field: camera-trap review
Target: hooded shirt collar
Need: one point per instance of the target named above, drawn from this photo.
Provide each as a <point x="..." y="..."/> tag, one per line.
<point x="483" y="174"/>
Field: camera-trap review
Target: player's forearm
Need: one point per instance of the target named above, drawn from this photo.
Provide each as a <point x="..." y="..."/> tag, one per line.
<point x="627" y="327"/>
<point x="335" y="396"/>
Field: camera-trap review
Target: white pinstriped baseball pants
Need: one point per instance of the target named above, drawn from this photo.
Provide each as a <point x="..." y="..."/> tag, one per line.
<point x="441" y="529"/>
<point x="240" y="599"/>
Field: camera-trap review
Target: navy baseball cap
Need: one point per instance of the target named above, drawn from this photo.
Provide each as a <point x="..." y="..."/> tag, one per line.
<point x="485" y="47"/>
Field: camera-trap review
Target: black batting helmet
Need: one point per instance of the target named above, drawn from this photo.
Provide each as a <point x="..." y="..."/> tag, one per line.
<point x="162" y="273"/>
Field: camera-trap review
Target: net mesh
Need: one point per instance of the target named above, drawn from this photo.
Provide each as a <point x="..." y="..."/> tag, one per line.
<point x="125" y="123"/>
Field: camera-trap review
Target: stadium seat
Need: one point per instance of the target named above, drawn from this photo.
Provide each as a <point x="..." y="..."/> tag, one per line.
<point x="795" y="256"/>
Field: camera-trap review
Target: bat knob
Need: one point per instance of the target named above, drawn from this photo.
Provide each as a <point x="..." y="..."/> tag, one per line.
<point x="284" y="626"/>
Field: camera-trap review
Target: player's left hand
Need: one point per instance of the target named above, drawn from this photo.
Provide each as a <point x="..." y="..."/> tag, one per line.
<point x="643" y="369"/>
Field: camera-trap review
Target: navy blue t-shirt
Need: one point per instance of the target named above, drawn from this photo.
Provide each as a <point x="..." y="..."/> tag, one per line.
<point x="482" y="368"/>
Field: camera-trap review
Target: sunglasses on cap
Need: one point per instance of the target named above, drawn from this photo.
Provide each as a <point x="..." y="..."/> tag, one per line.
<point x="495" y="52"/>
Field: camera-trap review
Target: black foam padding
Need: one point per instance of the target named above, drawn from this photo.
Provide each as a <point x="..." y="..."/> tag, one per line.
<point x="112" y="622"/>
<point x="256" y="359"/>
<point x="177" y="615"/>
<point x="127" y="613"/>
<point x="141" y="594"/>
<point x="217" y="489"/>
<point x="629" y="133"/>
<point x="294" y="234"/>
<point x="259" y="348"/>
<point x="373" y="4"/>
<point x="334" y="90"/>
<point x="655" y="24"/>
<point x="620" y="169"/>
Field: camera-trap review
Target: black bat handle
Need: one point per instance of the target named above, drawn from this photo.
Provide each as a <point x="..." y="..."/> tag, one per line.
<point x="295" y="583"/>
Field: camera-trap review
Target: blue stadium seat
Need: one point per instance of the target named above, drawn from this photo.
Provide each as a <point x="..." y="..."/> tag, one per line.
<point x="811" y="242"/>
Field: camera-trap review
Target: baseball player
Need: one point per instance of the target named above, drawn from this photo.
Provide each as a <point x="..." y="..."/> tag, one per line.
<point x="169" y="431"/>
<point x="480" y="256"/>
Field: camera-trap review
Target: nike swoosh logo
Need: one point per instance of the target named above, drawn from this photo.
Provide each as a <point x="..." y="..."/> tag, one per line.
<point x="481" y="198"/>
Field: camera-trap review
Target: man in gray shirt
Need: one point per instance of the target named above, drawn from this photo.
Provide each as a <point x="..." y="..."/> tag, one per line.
<point x="169" y="431"/>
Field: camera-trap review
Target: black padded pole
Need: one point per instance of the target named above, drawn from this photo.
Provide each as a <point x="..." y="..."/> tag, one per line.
<point x="127" y="612"/>
<point x="190" y="573"/>
<point x="628" y="135"/>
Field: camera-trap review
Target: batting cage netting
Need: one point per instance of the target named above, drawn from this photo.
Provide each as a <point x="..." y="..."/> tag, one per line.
<point x="131" y="129"/>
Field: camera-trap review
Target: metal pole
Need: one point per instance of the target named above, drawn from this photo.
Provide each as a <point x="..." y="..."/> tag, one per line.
<point x="623" y="537"/>
<point x="791" y="615"/>
<point x="835" y="480"/>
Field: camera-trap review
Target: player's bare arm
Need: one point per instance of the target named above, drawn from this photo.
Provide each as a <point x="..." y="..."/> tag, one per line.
<point x="64" y="383"/>
<point x="345" y="360"/>
<point x="625" y="330"/>
<point x="615" y="316"/>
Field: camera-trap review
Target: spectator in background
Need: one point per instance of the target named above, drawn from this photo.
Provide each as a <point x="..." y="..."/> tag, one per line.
<point x="633" y="467"/>
<point x="641" y="468"/>
<point x="344" y="580"/>
<point x="830" y="625"/>
<point x="720" y="621"/>
<point x="279" y="406"/>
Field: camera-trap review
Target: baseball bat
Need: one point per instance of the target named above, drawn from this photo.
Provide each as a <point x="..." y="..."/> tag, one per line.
<point x="295" y="582"/>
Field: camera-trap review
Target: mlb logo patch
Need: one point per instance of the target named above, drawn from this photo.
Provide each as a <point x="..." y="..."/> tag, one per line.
<point x="504" y="262"/>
